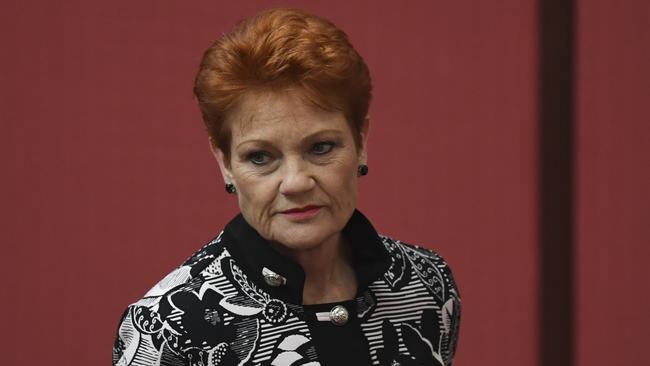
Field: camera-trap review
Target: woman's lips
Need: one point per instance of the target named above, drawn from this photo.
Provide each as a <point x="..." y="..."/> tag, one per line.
<point x="302" y="212"/>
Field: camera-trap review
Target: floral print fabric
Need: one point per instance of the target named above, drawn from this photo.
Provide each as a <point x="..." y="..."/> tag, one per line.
<point x="210" y="311"/>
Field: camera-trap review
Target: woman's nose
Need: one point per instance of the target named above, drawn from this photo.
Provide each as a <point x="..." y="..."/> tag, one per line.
<point x="296" y="177"/>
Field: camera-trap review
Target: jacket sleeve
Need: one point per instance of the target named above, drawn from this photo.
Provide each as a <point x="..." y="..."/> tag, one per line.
<point x="119" y="345"/>
<point x="448" y="325"/>
<point x="451" y="314"/>
<point x="147" y="335"/>
<point x="142" y="340"/>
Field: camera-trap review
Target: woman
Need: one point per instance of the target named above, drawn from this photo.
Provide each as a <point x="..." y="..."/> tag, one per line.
<point x="299" y="277"/>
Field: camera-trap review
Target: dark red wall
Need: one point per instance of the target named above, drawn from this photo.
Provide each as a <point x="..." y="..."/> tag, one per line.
<point x="613" y="183"/>
<point x="108" y="183"/>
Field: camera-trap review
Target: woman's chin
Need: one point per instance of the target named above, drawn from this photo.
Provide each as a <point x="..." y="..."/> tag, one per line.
<point x="304" y="238"/>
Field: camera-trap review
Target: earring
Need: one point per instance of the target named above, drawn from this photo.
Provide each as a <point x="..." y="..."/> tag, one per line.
<point x="362" y="170"/>
<point x="230" y="188"/>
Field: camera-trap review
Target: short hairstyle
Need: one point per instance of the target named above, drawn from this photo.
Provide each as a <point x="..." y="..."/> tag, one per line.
<point x="282" y="49"/>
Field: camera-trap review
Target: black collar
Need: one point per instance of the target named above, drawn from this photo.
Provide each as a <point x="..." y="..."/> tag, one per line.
<point x="253" y="253"/>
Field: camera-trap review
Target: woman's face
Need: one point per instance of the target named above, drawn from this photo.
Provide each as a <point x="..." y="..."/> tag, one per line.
<point x="294" y="166"/>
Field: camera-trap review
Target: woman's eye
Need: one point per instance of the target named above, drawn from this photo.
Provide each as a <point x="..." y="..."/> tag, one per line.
<point x="258" y="158"/>
<point x="322" y="148"/>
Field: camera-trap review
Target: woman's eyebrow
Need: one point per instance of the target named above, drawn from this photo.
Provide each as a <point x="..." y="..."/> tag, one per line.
<point x="311" y="136"/>
<point x="260" y="142"/>
<point x="322" y="132"/>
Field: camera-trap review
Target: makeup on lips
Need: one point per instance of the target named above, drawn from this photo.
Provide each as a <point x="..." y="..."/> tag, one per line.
<point x="302" y="213"/>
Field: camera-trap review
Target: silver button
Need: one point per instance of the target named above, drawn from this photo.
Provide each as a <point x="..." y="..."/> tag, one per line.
<point x="339" y="315"/>
<point x="273" y="279"/>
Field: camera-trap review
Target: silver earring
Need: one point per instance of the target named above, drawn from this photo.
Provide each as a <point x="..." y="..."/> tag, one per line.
<point x="362" y="170"/>
<point x="230" y="188"/>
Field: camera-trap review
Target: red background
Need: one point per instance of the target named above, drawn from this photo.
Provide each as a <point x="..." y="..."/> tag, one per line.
<point x="108" y="183"/>
<point x="612" y="318"/>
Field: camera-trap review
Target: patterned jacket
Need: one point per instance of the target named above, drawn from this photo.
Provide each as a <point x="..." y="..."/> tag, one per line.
<point x="238" y="302"/>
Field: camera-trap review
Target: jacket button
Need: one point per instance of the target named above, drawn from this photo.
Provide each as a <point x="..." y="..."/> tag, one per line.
<point x="273" y="279"/>
<point x="339" y="315"/>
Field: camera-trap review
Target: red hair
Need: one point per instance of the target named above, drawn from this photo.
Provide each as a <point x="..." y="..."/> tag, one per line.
<point x="281" y="49"/>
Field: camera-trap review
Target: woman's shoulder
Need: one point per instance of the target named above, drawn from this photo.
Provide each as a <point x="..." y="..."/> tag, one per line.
<point x="185" y="276"/>
<point x="426" y="265"/>
<point x="418" y="270"/>
<point x="157" y="315"/>
<point x="414" y="252"/>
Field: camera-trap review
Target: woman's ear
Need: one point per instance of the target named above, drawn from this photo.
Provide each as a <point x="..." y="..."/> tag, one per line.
<point x="363" y="151"/>
<point x="224" y="164"/>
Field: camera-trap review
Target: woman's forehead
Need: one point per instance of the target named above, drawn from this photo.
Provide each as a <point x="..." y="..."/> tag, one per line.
<point x="269" y="114"/>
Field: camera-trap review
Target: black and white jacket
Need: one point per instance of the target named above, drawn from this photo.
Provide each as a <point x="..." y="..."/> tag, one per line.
<point x="237" y="301"/>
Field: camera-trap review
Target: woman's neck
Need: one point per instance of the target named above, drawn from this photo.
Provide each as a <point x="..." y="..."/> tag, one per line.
<point x="329" y="275"/>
